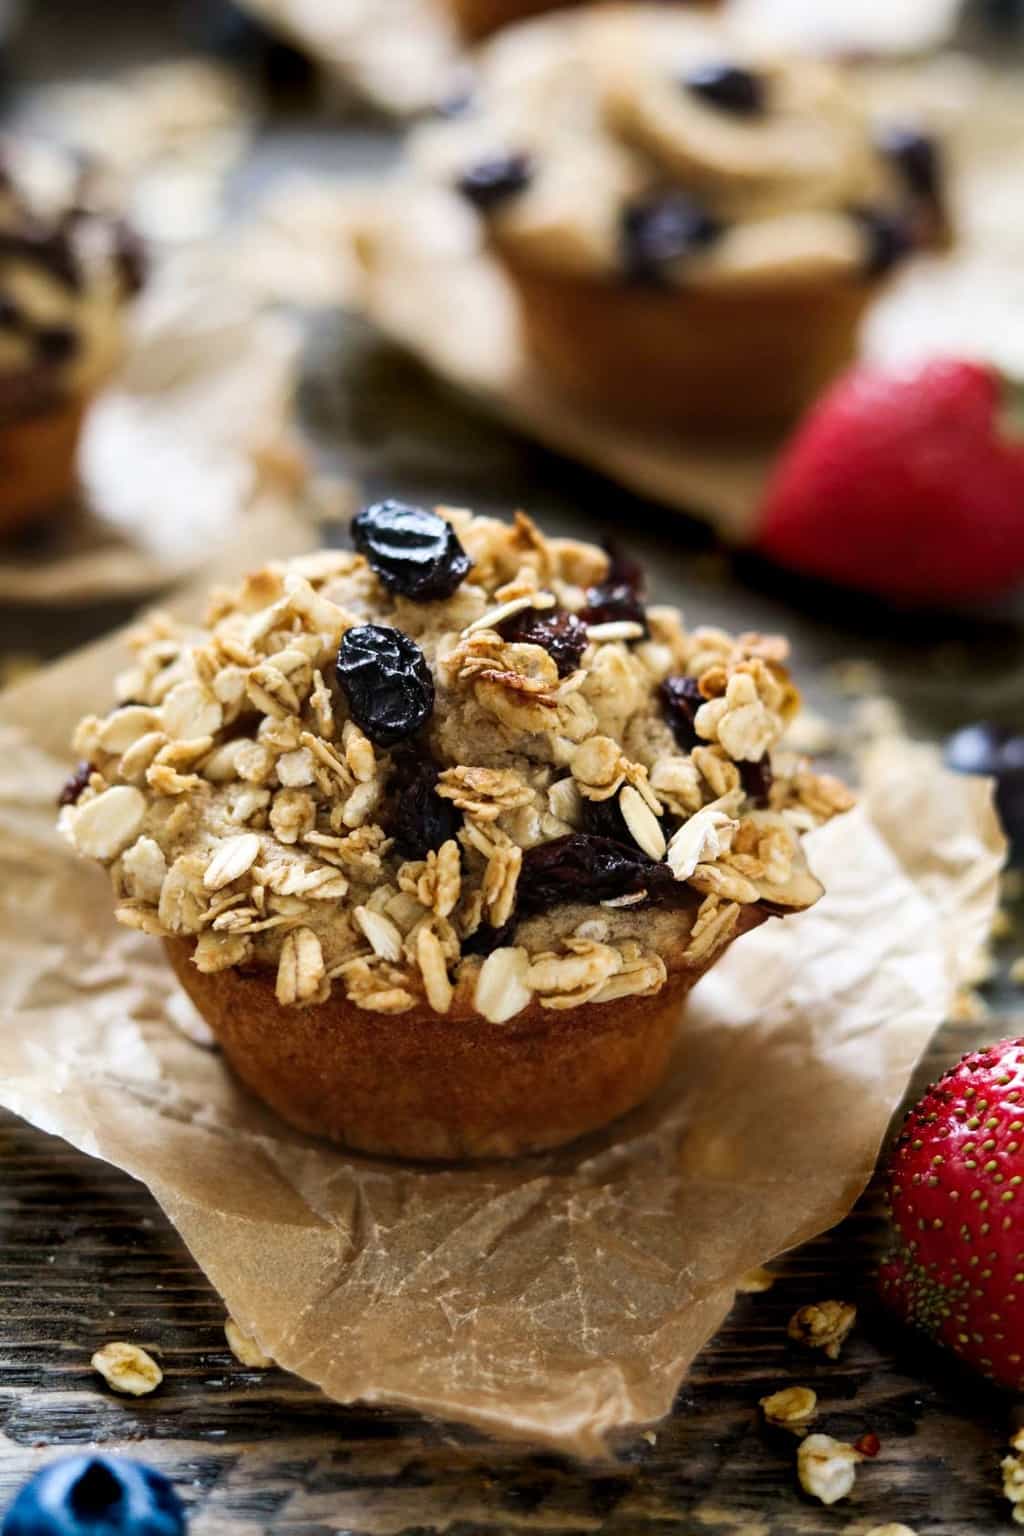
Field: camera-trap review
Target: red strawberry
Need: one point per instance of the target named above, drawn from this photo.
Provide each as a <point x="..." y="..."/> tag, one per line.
<point x="956" y="1196"/>
<point x="906" y="484"/>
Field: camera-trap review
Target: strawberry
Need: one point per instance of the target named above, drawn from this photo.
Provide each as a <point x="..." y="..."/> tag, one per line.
<point x="908" y="484"/>
<point x="956" y="1201"/>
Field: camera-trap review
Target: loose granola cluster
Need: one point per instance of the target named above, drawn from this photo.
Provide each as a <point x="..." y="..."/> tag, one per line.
<point x="238" y="803"/>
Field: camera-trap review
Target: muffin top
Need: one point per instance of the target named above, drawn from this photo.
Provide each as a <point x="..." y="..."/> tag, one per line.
<point x="67" y="266"/>
<point x="463" y="766"/>
<point x="655" y="144"/>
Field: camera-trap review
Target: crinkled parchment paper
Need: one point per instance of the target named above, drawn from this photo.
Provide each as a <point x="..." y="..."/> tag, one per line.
<point x="428" y="284"/>
<point x="191" y="433"/>
<point x="556" y="1299"/>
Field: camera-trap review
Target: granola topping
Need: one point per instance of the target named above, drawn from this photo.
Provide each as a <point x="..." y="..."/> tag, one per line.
<point x="531" y="832"/>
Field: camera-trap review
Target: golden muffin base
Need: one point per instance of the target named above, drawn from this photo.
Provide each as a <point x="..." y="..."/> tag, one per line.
<point x="440" y="1087"/>
<point x="38" y="456"/>
<point x="749" y="360"/>
<point x="478" y="18"/>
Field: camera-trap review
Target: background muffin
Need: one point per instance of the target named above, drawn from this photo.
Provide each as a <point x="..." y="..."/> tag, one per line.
<point x="694" y="227"/>
<point x="67" y="269"/>
<point x="441" y="832"/>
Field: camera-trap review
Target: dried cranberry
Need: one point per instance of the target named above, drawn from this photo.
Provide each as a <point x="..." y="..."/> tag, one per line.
<point x="603" y="818"/>
<point x="868" y="1445"/>
<point x="415" y="553"/>
<point x="487" y="939"/>
<point x="681" y="698"/>
<point x="561" y="634"/>
<point x="756" y="779"/>
<point x="614" y="605"/>
<point x="660" y="231"/>
<point x="76" y="785"/>
<point x="420" y="819"/>
<point x="729" y="88"/>
<point x="619" y="598"/>
<point x="386" y="679"/>
<point x="494" y="180"/>
<point x="584" y="868"/>
<point x="887" y="239"/>
<point x="56" y="344"/>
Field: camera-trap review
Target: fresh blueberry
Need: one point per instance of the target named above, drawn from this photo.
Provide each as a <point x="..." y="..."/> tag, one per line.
<point x="661" y="230"/>
<point x="998" y="752"/>
<point x="94" y="1495"/>
<point x="492" y="181"/>
<point x="916" y="157"/>
<point x="887" y="239"/>
<point x="729" y="88"/>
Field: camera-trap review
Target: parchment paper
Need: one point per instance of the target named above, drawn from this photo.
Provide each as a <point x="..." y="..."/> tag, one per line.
<point x="428" y="284"/>
<point x="180" y="446"/>
<point x="560" y="1298"/>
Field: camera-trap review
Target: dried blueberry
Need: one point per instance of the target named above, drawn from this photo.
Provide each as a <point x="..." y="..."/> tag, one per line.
<point x="415" y="553"/>
<point x="916" y="156"/>
<point x="420" y="819"/>
<point x="661" y="230"/>
<point x="887" y="239"/>
<point x="581" y="867"/>
<point x="561" y="634"/>
<point x="757" y="779"/>
<point x="728" y="87"/>
<point x="998" y="752"/>
<point x="385" y="677"/>
<point x="92" y="1495"/>
<point x="681" y="698"/>
<point x="76" y="785"/>
<point x="491" y="181"/>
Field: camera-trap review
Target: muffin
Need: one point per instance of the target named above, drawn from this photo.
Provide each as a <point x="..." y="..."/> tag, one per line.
<point x="694" y="228"/>
<point x="478" y="18"/>
<point x="67" y="269"/>
<point x="440" y="833"/>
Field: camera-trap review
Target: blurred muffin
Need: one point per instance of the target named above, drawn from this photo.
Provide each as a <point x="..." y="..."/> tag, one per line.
<point x="478" y="18"/>
<point x="694" y="228"/>
<point x="67" y="269"/>
<point x="439" y="834"/>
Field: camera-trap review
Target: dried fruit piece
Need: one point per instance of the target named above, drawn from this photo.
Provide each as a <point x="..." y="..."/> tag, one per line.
<point x="421" y="820"/>
<point x="563" y="635"/>
<point x="415" y="553"/>
<point x="590" y="869"/>
<point x="73" y="789"/>
<point x="887" y="239"/>
<point x="681" y="697"/>
<point x="659" y="231"/>
<point x="385" y="677"/>
<point x="729" y="88"/>
<point x="491" y="181"/>
<point x="620" y="597"/>
<point x="916" y="157"/>
<point x="756" y="779"/>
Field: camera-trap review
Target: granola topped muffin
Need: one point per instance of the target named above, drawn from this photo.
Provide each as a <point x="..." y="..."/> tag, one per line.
<point x="477" y="18"/>
<point x="68" y="268"/>
<point x="694" y="225"/>
<point x="441" y="831"/>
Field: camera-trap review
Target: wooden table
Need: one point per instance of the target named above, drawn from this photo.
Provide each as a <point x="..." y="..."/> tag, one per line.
<point x="87" y="1256"/>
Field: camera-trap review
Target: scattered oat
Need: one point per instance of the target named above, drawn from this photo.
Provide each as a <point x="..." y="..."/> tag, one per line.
<point x="127" y="1368"/>
<point x="755" y="1281"/>
<point x="245" y="1348"/>
<point x="792" y="1408"/>
<point x="826" y="1468"/>
<point x="823" y="1325"/>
